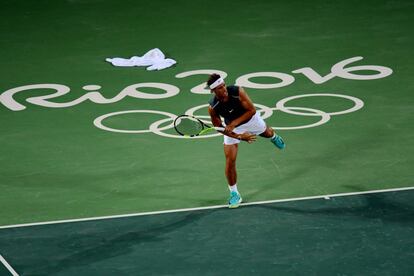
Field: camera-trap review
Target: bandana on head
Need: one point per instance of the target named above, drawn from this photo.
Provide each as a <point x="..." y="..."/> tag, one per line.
<point x="216" y="83"/>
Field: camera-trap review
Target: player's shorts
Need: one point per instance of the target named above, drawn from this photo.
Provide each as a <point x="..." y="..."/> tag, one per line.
<point x="255" y="125"/>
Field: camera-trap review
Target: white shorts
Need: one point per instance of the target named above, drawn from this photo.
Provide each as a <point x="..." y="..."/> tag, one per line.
<point x="255" y="125"/>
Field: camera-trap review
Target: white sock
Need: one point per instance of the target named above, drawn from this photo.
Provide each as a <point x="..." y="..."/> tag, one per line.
<point x="233" y="188"/>
<point x="274" y="135"/>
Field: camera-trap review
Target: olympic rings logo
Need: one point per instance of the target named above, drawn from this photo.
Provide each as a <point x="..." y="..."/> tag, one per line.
<point x="266" y="112"/>
<point x="343" y="69"/>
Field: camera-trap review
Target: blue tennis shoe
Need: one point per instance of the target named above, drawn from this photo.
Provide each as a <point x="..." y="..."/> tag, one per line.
<point x="235" y="200"/>
<point x="278" y="142"/>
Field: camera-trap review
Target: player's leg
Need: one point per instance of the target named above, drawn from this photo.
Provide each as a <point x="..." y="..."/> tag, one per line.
<point x="274" y="138"/>
<point x="268" y="133"/>
<point x="230" y="152"/>
<point x="258" y="126"/>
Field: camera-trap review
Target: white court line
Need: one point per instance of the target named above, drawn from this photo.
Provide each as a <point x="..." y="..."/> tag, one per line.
<point x="205" y="208"/>
<point x="6" y="264"/>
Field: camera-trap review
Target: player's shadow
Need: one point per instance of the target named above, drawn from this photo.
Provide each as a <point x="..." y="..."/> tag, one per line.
<point x="94" y="244"/>
<point x="379" y="206"/>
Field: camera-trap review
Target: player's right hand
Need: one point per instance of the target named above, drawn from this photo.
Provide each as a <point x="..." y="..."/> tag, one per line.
<point x="248" y="137"/>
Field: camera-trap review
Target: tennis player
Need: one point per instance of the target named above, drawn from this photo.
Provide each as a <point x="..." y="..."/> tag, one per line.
<point x="242" y="123"/>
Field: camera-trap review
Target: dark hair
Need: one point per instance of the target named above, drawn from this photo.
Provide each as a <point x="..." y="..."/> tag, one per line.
<point x="212" y="78"/>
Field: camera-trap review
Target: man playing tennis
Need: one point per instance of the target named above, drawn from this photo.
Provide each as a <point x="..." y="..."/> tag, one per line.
<point x="242" y="123"/>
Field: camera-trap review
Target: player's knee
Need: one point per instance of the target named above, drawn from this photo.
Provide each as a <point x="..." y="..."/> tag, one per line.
<point x="230" y="161"/>
<point x="268" y="132"/>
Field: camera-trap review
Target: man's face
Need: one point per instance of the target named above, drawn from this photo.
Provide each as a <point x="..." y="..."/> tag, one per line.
<point x="221" y="92"/>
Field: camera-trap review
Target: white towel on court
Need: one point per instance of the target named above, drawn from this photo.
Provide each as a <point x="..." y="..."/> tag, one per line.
<point x="154" y="59"/>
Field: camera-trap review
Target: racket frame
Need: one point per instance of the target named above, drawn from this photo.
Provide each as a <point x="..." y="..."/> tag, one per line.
<point x="205" y="127"/>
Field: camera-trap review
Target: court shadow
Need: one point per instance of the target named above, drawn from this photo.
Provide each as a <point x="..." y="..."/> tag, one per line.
<point x="372" y="206"/>
<point x="97" y="245"/>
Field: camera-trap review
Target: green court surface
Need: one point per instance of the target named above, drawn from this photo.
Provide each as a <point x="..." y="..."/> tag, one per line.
<point x="355" y="235"/>
<point x="333" y="78"/>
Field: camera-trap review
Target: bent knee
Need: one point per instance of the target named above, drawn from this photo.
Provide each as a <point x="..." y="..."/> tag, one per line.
<point x="267" y="133"/>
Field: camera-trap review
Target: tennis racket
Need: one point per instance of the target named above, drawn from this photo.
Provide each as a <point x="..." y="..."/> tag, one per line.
<point x="190" y="126"/>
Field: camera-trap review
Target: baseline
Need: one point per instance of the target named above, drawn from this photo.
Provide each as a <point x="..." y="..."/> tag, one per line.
<point x="206" y="207"/>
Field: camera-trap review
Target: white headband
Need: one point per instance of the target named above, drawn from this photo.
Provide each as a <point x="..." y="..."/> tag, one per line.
<point x="216" y="83"/>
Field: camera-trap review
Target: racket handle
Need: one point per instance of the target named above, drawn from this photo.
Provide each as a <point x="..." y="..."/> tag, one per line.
<point x="219" y="128"/>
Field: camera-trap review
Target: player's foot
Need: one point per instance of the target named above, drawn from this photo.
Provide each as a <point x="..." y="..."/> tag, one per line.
<point x="235" y="200"/>
<point x="278" y="142"/>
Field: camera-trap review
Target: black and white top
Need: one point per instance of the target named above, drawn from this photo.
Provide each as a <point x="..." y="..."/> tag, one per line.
<point x="230" y="110"/>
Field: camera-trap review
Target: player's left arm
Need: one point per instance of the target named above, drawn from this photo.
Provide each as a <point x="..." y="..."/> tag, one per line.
<point x="247" y="104"/>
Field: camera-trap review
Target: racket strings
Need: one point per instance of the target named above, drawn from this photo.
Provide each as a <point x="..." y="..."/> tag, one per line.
<point x="188" y="126"/>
